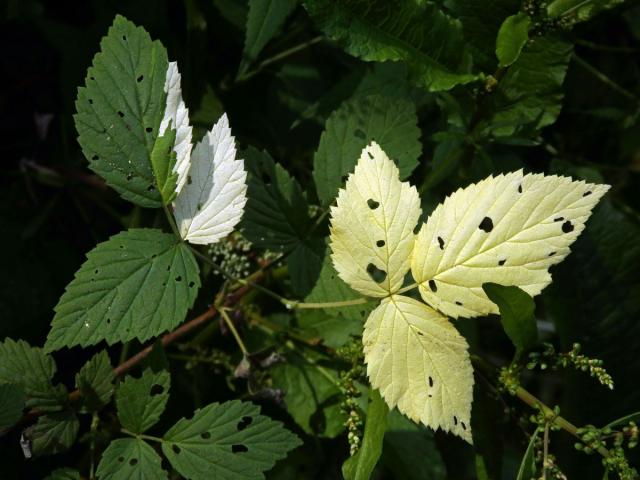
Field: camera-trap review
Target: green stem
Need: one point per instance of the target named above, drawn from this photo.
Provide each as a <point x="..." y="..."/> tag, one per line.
<point x="294" y="304"/>
<point x="236" y="335"/>
<point x="142" y="436"/>
<point x="171" y="221"/>
<point x="278" y="57"/>
<point x="407" y="288"/>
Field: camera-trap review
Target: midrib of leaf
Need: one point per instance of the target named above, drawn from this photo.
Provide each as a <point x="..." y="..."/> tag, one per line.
<point x="391" y="40"/>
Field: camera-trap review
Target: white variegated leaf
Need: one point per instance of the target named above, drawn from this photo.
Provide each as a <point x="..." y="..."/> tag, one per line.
<point x="212" y="201"/>
<point x="176" y="116"/>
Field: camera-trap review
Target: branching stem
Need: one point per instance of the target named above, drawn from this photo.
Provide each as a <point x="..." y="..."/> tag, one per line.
<point x="234" y="331"/>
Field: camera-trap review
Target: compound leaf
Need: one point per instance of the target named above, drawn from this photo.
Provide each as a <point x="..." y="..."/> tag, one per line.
<point x="130" y="459"/>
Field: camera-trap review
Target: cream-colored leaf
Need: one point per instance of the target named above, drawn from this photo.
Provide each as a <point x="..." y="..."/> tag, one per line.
<point x="372" y="225"/>
<point x="419" y="362"/>
<point x="212" y="201"/>
<point x="176" y="116"/>
<point x="507" y="229"/>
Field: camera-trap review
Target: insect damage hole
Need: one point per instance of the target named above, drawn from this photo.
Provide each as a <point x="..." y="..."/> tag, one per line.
<point x="376" y="274"/>
<point x="433" y="286"/>
<point x="502" y="262"/>
<point x="431" y="382"/>
<point x="156" y="389"/>
<point x="239" y="448"/>
<point x="486" y="224"/>
<point x="380" y="243"/>
<point x="567" y="227"/>
<point x="441" y="243"/>
<point x="244" y="423"/>
<point x="373" y="204"/>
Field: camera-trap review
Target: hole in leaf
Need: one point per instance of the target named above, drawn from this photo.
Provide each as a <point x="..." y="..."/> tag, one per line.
<point x="458" y="303"/>
<point x="380" y="243"/>
<point x="108" y="321"/>
<point x="95" y="157"/>
<point x="151" y="188"/>
<point x="148" y="129"/>
<point x="120" y="114"/>
<point x="129" y="177"/>
<point x="95" y="271"/>
<point x="140" y="78"/>
<point x="179" y="278"/>
<point x="192" y="284"/>
<point x="373" y="204"/>
<point x="486" y="224"/>
<point x="464" y="427"/>
<point x="205" y="435"/>
<point x="441" y="243"/>
<point x="90" y="101"/>
<point x="239" y="448"/>
<point x="189" y="181"/>
<point x="133" y="462"/>
<point x="519" y="188"/>
<point x="245" y="422"/>
<point x="376" y="274"/>
<point x="551" y="254"/>
<point x="455" y="420"/>
<point x="156" y="390"/>
<point x="124" y="37"/>
<point x="558" y="219"/>
<point x="567" y="227"/>
<point x="502" y="262"/>
<point x="586" y="194"/>
<point x="370" y="155"/>
<point x="175" y="448"/>
<point x="433" y="286"/>
<point x="431" y="382"/>
<point x="121" y="459"/>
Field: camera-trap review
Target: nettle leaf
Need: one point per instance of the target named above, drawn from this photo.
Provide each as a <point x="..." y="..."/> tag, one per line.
<point x="120" y="109"/>
<point x="418" y="33"/>
<point x="372" y="226"/>
<point x="130" y="459"/>
<point x="176" y="118"/>
<point x="212" y="201"/>
<point x="263" y="21"/>
<point x="310" y="396"/>
<point x="360" y="466"/>
<point x="530" y="94"/>
<point x="277" y="218"/>
<point x="392" y="122"/>
<point x="229" y="440"/>
<point x="507" y="229"/>
<point x="516" y="313"/>
<point x="512" y="36"/>
<point x="138" y="284"/>
<point x="31" y="370"/>
<point x="420" y="363"/>
<point x="141" y="401"/>
<point x="95" y="381"/>
<point x="53" y="433"/>
<point x="12" y="402"/>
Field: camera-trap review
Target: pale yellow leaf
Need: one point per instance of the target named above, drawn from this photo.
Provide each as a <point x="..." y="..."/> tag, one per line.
<point x="419" y="362"/>
<point x="507" y="229"/>
<point x="372" y="226"/>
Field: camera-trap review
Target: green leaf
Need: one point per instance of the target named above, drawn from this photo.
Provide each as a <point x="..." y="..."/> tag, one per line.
<point x="53" y="433"/>
<point x="418" y="33"/>
<point x="580" y="10"/>
<point x="120" y="109"/>
<point x="311" y="394"/>
<point x="11" y="405"/>
<point x="163" y="159"/>
<point x="529" y="96"/>
<point x="633" y="417"/>
<point x="229" y="440"/>
<point x="138" y="284"/>
<point x="95" y="381"/>
<point x="276" y="217"/>
<point x="391" y="122"/>
<point x="516" y="314"/>
<point x="360" y="466"/>
<point x="512" y="36"/>
<point x="263" y="21"/>
<point x="130" y="459"/>
<point x="334" y="325"/>
<point x="481" y="20"/>
<point x="31" y="370"/>
<point x="527" y="468"/>
<point x="64" y="474"/>
<point x="141" y="401"/>
<point x="404" y="441"/>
